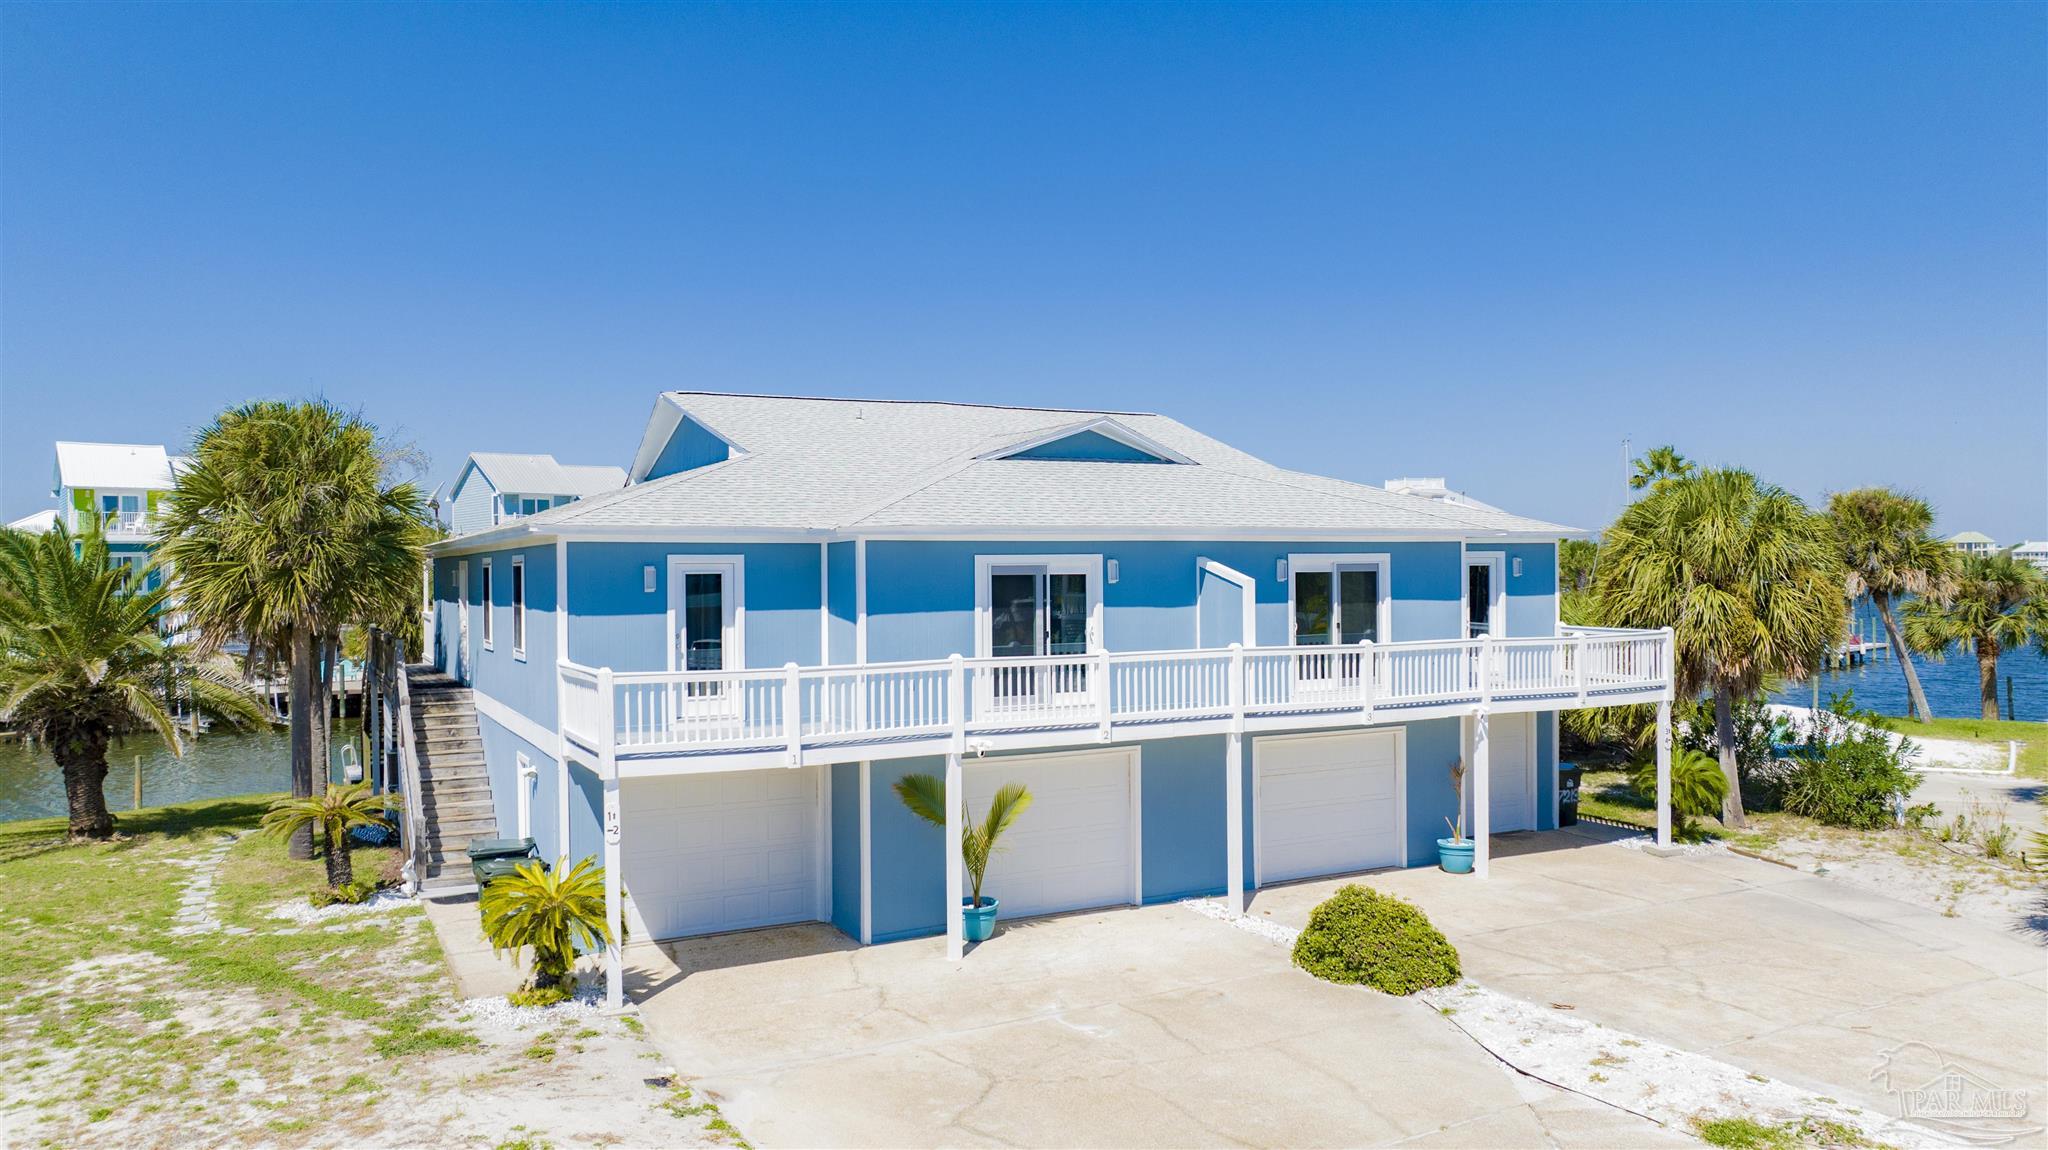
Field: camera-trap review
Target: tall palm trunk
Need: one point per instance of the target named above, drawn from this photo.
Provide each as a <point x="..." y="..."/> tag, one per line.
<point x="1987" y="675"/>
<point x="83" y="757"/>
<point x="303" y="676"/>
<point x="1724" y="736"/>
<point x="323" y="731"/>
<point x="1883" y="603"/>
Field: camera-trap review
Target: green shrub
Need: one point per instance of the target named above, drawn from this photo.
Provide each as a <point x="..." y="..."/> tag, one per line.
<point x="354" y="892"/>
<point x="543" y="995"/>
<point x="1697" y="787"/>
<point x="1855" y="774"/>
<point x="1360" y="935"/>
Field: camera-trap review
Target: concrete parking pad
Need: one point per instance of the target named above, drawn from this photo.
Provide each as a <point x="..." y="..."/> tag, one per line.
<point x="1133" y="1027"/>
<point x="1791" y="975"/>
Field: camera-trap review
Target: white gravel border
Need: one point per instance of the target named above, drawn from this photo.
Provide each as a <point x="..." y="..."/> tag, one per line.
<point x="1649" y="1079"/>
<point x="496" y="1012"/>
<point x="305" y="913"/>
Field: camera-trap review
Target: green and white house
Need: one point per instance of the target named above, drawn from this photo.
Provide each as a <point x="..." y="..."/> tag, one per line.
<point x="119" y="485"/>
<point x="1213" y="672"/>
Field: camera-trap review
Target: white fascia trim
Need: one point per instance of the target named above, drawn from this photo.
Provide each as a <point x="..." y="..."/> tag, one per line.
<point x="1105" y="426"/>
<point x="973" y="533"/>
<point x="543" y="740"/>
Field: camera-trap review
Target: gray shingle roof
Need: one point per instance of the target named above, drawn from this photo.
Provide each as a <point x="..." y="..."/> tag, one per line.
<point x="541" y="475"/>
<point x="889" y="466"/>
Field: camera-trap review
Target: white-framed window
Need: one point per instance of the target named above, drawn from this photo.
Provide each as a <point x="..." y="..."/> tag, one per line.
<point x="519" y="607"/>
<point x="485" y="588"/>
<point x="1339" y="600"/>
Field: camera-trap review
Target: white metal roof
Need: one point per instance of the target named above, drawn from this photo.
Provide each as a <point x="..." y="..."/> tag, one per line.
<point x="96" y="465"/>
<point x="881" y="467"/>
<point x="39" y="523"/>
<point x="541" y="475"/>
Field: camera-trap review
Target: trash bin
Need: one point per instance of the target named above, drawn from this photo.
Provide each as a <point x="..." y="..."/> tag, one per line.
<point x="486" y="870"/>
<point x="1567" y="794"/>
<point x="480" y="849"/>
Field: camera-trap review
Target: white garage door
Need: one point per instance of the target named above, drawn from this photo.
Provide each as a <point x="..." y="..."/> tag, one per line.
<point x="724" y="851"/>
<point x="1511" y="751"/>
<point x="1329" y="804"/>
<point x="1076" y="846"/>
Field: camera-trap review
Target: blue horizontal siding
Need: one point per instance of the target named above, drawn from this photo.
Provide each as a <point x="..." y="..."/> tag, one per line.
<point x="614" y="621"/>
<point x="689" y="447"/>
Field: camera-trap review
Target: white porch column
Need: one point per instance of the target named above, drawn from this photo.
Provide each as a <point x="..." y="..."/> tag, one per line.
<point x="1482" y="796"/>
<point x="1233" y="826"/>
<point x="614" y="902"/>
<point x="1664" y="773"/>
<point x="614" y="905"/>
<point x="956" y="921"/>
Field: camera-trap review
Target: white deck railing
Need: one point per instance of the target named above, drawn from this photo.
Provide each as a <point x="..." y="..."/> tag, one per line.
<point x="1100" y="695"/>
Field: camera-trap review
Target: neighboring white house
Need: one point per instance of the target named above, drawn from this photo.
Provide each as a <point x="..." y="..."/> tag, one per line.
<point x="121" y="483"/>
<point x="1433" y="487"/>
<point x="496" y="487"/>
<point x="37" y="523"/>
<point x="2033" y="551"/>
<point x="1972" y="543"/>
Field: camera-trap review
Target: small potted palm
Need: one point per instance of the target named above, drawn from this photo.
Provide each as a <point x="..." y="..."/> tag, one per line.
<point x="1454" y="854"/>
<point x="925" y="795"/>
<point x="558" y="913"/>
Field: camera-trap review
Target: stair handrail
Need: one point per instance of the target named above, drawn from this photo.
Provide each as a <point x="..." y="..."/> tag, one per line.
<point x="412" y="825"/>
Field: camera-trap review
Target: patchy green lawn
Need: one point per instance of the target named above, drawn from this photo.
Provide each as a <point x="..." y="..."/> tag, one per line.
<point x="1606" y="794"/>
<point x="2033" y="756"/>
<point x="150" y="994"/>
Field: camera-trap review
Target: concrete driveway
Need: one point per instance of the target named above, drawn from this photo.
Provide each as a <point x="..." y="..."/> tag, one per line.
<point x="1134" y="1027"/>
<point x="1803" y="978"/>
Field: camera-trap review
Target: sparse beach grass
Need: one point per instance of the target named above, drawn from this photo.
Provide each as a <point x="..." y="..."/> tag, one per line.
<point x="151" y="996"/>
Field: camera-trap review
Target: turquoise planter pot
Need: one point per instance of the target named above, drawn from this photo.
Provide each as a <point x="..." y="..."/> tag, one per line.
<point x="981" y="920"/>
<point x="1455" y="857"/>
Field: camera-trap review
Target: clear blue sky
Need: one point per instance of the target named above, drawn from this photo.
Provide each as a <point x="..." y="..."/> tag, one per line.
<point x="1481" y="242"/>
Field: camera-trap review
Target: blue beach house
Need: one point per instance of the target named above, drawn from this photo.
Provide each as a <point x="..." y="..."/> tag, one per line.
<point x="1213" y="672"/>
<point x="119" y="486"/>
<point x="494" y="487"/>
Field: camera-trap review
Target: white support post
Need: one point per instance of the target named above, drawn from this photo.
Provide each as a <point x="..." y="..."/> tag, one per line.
<point x="1482" y="796"/>
<point x="1233" y="825"/>
<point x="1579" y="664"/>
<point x="1233" y="795"/>
<point x="1664" y="774"/>
<point x="1365" y="681"/>
<point x="956" y="701"/>
<point x="1101" y="672"/>
<point x="793" y="712"/>
<point x="956" y="919"/>
<point x="614" y="901"/>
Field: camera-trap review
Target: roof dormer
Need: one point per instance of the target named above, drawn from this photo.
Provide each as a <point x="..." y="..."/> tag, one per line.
<point x="1101" y="440"/>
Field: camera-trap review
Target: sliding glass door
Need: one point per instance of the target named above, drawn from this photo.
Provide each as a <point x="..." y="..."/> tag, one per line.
<point x="1034" y="610"/>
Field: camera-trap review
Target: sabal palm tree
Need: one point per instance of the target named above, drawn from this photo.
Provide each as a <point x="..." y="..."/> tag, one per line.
<point x="556" y="912"/>
<point x="1658" y="466"/>
<point x="1888" y="550"/>
<point x="283" y="529"/>
<point x="82" y="659"/>
<point x="925" y="795"/>
<point x="1998" y="603"/>
<point x="333" y="813"/>
<point x="1746" y="577"/>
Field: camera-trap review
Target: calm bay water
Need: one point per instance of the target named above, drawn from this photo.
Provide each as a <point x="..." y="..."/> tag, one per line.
<point x="1951" y="685"/>
<point x="214" y="766"/>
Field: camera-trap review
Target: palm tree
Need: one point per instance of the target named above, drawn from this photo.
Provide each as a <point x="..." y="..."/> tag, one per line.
<point x="334" y="813"/>
<point x="82" y="659"/>
<point x="925" y="795"/>
<point x="284" y="529"/>
<point x="1998" y="603"/>
<point x="1658" y="466"/>
<point x="1889" y="549"/>
<point x="1745" y="576"/>
<point x="555" y="912"/>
